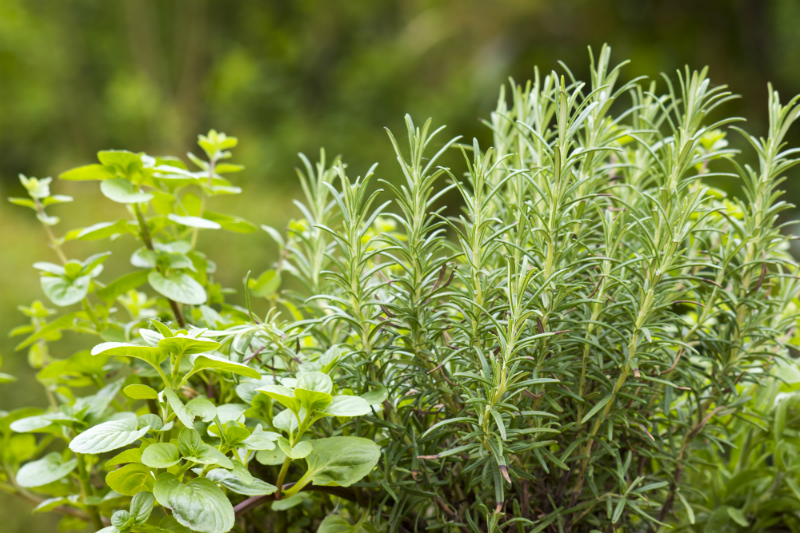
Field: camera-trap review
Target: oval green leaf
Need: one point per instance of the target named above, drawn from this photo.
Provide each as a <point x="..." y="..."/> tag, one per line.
<point x="207" y="361"/>
<point x="193" y="222"/>
<point x="340" y="461"/>
<point x="46" y="470"/>
<point x="187" y="345"/>
<point x="202" y="408"/>
<point x="87" y="172"/>
<point x="199" y="504"/>
<point x="150" y="354"/>
<point x="140" y="392"/>
<point x="377" y="395"/>
<point x="64" y="292"/>
<point x="123" y="191"/>
<point x="347" y="406"/>
<point x="161" y="455"/>
<point x="178" y="286"/>
<point x="233" y="483"/>
<point x="108" y="436"/>
<point x="131" y="479"/>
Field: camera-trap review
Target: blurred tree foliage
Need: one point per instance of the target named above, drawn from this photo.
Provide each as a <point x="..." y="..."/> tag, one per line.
<point x="80" y="75"/>
<point x="77" y="76"/>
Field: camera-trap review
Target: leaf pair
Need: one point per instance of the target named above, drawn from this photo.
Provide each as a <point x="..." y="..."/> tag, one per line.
<point x="140" y="509"/>
<point x="313" y="392"/>
<point x="69" y="284"/>
<point x="161" y="347"/>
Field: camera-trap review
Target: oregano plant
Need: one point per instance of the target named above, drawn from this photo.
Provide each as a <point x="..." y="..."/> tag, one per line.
<point x="589" y="337"/>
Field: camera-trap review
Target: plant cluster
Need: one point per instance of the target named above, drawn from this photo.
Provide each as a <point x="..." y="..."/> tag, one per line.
<point x="597" y="340"/>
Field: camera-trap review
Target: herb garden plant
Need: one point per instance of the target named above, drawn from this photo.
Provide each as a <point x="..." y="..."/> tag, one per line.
<point x="591" y="339"/>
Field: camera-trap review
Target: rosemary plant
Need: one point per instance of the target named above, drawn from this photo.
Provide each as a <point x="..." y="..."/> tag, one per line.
<point x="593" y="340"/>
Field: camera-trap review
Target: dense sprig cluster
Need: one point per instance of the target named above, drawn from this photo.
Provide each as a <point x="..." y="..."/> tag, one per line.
<point x="569" y="353"/>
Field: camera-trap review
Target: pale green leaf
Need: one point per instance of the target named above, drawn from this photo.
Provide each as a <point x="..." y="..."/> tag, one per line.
<point x="142" y="506"/>
<point x="24" y="202"/>
<point x="178" y="286"/>
<point x="35" y="423"/>
<point x="131" y="479"/>
<point x="46" y="470"/>
<point x="155" y="423"/>
<point x="287" y="420"/>
<point x="140" y="392"/>
<point x="19" y="448"/>
<point x="231" y="411"/>
<point x="315" y="381"/>
<point x="122" y="191"/>
<point x="376" y="396"/>
<point x="340" y="461"/>
<point x="202" y="408"/>
<point x="312" y="400"/>
<point x="190" y="441"/>
<point x="261" y="440"/>
<point x="182" y="345"/>
<point x="266" y="284"/>
<point x="207" y="361"/>
<point x="299" y="451"/>
<point x="199" y="504"/>
<point x="193" y="222"/>
<point x="271" y="457"/>
<point x="283" y="395"/>
<point x="103" y="230"/>
<point x="161" y="455"/>
<point x="208" y="455"/>
<point x="122" y="160"/>
<point x="347" y="406"/>
<point x="108" y="436"/>
<point x="230" y="223"/>
<point x="194" y="449"/>
<point x="153" y="355"/>
<point x="134" y="455"/>
<point x="233" y="483"/>
<point x="64" y="292"/>
<point x="88" y="172"/>
<point x="177" y="406"/>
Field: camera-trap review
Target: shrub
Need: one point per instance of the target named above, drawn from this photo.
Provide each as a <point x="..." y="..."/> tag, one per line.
<point x="579" y="348"/>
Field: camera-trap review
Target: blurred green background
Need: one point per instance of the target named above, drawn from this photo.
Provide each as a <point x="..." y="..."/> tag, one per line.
<point x="78" y="76"/>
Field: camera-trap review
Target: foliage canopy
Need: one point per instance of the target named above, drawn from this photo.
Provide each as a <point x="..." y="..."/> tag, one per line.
<point x="571" y="352"/>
